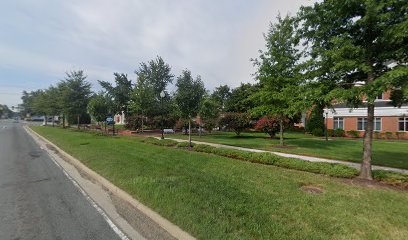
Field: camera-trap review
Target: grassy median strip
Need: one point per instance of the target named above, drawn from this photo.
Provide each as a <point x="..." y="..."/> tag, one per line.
<point x="215" y="197"/>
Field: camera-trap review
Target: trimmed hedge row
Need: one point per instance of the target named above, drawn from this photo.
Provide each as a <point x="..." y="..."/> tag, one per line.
<point x="163" y="142"/>
<point x="330" y="169"/>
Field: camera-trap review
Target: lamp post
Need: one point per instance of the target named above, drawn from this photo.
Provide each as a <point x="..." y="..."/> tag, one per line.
<point x="162" y="94"/>
<point x="327" y="138"/>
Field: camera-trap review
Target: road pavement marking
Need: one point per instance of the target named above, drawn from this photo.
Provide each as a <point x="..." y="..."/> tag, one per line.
<point x="115" y="228"/>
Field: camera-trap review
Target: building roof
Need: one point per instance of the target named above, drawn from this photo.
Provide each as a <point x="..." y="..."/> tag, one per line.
<point x="363" y="105"/>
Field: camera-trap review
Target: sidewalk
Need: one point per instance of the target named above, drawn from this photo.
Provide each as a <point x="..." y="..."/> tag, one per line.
<point x="301" y="157"/>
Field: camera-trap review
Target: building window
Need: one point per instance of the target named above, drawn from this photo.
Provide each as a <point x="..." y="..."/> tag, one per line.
<point x="403" y="124"/>
<point x="362" y="124"/>
<point x="380" y="97"/>
<point x="338" y="123"/>
<point x="377" y="124"/>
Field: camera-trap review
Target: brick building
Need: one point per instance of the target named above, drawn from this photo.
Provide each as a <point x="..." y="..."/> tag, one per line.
<point x="388" y="119"/>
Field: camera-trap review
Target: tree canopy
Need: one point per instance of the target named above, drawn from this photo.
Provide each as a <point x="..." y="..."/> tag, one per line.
<point x="76" y="92"/>
<point x="362" y="46"/>
<point x="278" y="73"/>
<point x="120" y="93"/>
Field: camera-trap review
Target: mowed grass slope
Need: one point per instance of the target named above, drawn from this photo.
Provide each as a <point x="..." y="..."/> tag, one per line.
<point x="220" y="198"/>
<point x="385" y="152"/>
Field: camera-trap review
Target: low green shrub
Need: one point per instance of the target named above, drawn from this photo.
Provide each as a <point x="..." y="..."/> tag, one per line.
<point x="161" y="142"/>
<point x="400" y="135"/>
<point x="265" y="158"/>
<point x="318" y="132"/>
<point x="377" y="135"/>
<point x="184" y="144"/>
<point x="388" y="135"/>
<point x="339" y="132"/>
<point x="232" y="153"/>
<point x="330" y="169"/>
<point x="203" y="148"/>
<point x="353" y="133"/>
<point x="330" y="132"/>
<point x="392" y="178"/>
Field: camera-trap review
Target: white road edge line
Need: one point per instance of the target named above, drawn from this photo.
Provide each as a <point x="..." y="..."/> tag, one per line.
<point x="115" y="228"/>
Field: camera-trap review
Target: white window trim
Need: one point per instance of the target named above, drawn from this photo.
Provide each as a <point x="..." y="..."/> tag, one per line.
<point x="365" y="123"/>
<point x="380" y="124"/>
<point x="338" y="122"/>
<point x="404" y="121"/>
<point x="380" y="99"/>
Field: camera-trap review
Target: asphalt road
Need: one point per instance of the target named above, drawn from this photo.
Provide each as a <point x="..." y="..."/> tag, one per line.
<point x="37" y="201"/>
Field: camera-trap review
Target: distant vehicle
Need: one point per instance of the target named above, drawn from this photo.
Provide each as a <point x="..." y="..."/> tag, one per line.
<point x="15" y="120"/>
<point x="37" y="118"/>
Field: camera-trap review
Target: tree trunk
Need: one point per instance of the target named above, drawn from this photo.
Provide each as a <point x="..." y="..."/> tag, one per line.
<point x="142" y="122"/>
<point x="189" y="132"/>
<point x="63" y="120"/>
<point x="365" y="172"/>
<point x="78" y="121"/>
<point x="45" y="120"/>
<point x="53" y="121"/>
<point x="105" y="126"/>
<point x="281" y="132"/>
<point x="113" y="129"/>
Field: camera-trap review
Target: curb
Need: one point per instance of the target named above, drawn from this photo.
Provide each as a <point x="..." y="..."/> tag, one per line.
<point x="171" y="228"/>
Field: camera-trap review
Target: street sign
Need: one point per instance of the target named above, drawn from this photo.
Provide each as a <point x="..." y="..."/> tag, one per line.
<point x="109" y="121"/>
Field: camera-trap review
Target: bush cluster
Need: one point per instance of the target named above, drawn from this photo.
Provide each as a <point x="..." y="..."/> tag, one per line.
<point x="271" y="125"/>
<point x="184" y="144"/>
<point x="164" y="142"/>
<point x="353" y="133"/>
<point x="392" y="178"/>
<point x="318" y="132"/>
<point x="339" y="132"/>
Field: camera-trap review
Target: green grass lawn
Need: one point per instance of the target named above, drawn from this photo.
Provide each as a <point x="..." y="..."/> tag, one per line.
<point x="385" y="153"/>
<point x="220" y="198"/>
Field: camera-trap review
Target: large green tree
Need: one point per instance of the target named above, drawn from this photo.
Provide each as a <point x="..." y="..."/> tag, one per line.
<point x="120" y="93"/>
<point x="188" y="96"/>
<point x="55" y="104"/>
<point x="28" y="101"/>
<point x="75" y="94"/>
<point x="153" y="78"/>
<point x="241" y="98"/>
<point x="41" y="105"/>
<point x="100" y="106"/>
<point x="209" y="113"/>
<point x="279" y="73"/>
<point x="362" y="45"/>
<point x="220" y="95"/>
<point x="143" y="99"/>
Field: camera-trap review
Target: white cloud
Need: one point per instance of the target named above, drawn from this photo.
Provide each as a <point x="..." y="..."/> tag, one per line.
<point x="45" y="38"/>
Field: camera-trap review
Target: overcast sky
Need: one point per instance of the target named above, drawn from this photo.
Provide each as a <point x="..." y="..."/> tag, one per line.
<point x="42" y="39"/>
